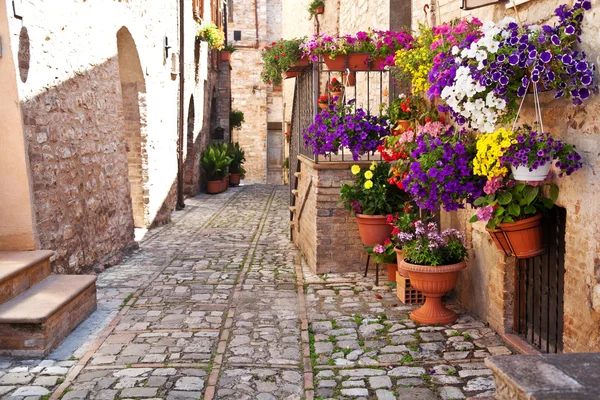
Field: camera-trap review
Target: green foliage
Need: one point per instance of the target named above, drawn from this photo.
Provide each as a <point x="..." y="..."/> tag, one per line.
<point x="213" y="35"/>
<point x="229" y="48"/>
<point x="517" y="201"/>
<point x="312" y="7"/>
<point x="374" y="195"/>
<point x="237" y="155"/>
<point x="278" y="57"/>
<point x="215" y="161"/>
<point x="236" y="119"/>
<point x="388" y="256"/>
<point x="286" y="163"/>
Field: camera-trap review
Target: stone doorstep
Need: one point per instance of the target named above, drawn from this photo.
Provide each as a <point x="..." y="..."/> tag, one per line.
<point x="548" y="376"/>
<point x="20" y="270"/>
<point x="35" y="322"/>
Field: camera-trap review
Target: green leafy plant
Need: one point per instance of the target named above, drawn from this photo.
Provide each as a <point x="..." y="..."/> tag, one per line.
<point x="236" y="119"/>
<point x="213" y="35"/>
<point x="384" y="253"/>
<point x="286" y="163"/>
<point x="312" y="7"/>
<point x="237" y="155"/>
<point x="278" y="57"/>
<point x="370" y="193"/>
<point x="510" y="201"/>
<point x="215" y="161"/>
<point x="229" y="48"/>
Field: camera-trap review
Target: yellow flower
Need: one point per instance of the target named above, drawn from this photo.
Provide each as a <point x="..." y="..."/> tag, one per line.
<point x="368" y="184"/>
<point x="369" y="175"/>
<point x="355" y="169"/>
<point x="373" y="166"/>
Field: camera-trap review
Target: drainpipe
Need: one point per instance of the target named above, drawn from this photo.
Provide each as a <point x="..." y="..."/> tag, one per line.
<point x="180" y="202"/>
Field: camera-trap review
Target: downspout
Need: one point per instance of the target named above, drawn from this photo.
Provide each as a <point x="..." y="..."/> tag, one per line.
<point x="180" y="202"/>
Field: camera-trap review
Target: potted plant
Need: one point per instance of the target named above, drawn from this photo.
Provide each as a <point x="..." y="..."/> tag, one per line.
<point x="403" y="222"/>
<point x="236" y="119"/>
<point x="335" y="88"/>
<point x="316" y="7"/>
<point x="402" y="111"/>
<point x="385" y="254"/>
<point x="210" y="33"/>
<point x="279" y="57"/>
<point x="215" y="161"/>
<point x="387" y="43"/>
<point x="433" y="261"/>
<point x="371" y="198"/>
<point x="323" y="101"/>
<point x="226" y="52"/>
<point x="236" y="168"/>
<point x="344" y="126"/>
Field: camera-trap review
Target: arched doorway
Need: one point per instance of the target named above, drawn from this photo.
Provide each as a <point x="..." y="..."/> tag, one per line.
<point x="133" y="90"/>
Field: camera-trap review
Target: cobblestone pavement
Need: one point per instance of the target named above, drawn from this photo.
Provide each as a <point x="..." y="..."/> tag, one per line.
<point x="217" y="305"/>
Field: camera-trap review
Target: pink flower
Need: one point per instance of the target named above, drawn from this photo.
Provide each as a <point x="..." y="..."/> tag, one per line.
<point x="442" y="29"/>
<point x="493" y="185"/>
<point x="485" y="214"/>
<point x="379" y="249"/>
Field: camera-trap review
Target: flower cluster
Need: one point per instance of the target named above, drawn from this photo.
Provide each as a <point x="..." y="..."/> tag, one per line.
<point x="212" y="34"/>
<point x="414" y="63"/>
<point x="532" y="150"/>
<point x="427" y="246"/>
<point x="277" y="57"/>
<point x="441" y="172"/>
<point x="335" y="85"/>
<point x="344" y="126"/>
<point x="490" y="148"/>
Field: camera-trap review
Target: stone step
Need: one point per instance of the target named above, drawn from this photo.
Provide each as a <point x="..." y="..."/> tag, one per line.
<point x="38" y="320"/>
<point x="549" y="376"/>
<point x="20" y="270"/>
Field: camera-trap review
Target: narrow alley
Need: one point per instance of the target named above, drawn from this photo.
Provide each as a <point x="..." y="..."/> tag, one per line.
<point x="217" y="305"/>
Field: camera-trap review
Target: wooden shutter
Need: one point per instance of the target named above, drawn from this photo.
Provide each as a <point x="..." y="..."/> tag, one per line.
<point x="198" y="9"/>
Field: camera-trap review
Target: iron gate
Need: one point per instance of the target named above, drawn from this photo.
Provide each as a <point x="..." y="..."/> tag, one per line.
<point x="540" y="288"/>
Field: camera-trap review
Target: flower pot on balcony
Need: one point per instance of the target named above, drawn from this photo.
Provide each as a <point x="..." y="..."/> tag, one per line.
<point x="378" y="64"/>
<point x="433" y="282"/>
<point x="522" y="239"/>
<point x="358" y="61"/>
<point x="399" y="259"/>
<point x="234" y="179"/>
<point x="292" y="74"/>
<point x="323" y="106"/>
<point x="401" y="126"/>
<point x="391" y="271"/>
<point x="225" y="56"/>
<point x="335" y="64"/>
<point x="373" y="229"/>
<point x="537" y="175"/>
<point x="320" y="9"/>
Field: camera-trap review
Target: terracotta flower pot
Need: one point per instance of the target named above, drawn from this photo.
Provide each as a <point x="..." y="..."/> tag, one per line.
<point x="320" y="9"/>
<point x="402" y="125"/>
<point x="214" y="187"/>
<point x="323" y="106"/>
<point x="525" y="237"/>
<point x="378" y="63"/>
<point x="358" y="61"/>
<point x="338" y="94"/>
<point x="391" y="270"/>
<point x="292" y="74"/>
<point x="400" y="258"/>
<point x="225" y="56"/>
<point x="337" y="64"/>
<point x="433" y="282"/>
<point x="499" y="240"/>
<point x="234" y="179"/>
<point x="224" y="183"/>
<point x="373" y="229"/>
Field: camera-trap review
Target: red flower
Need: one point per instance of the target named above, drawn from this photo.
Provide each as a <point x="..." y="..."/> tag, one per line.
<point x="387" y="242"/>
<point x="395" y="231"/>
<point x="389" y="219"/>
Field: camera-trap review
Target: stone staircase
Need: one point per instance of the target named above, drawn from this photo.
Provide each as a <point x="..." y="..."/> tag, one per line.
<point x="37" y="309"/>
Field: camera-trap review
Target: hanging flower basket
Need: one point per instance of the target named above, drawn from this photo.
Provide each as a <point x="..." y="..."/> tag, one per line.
<point x="522" y="239"/>
<point x="320" y="9"/>
<point x="522" y="173"/>
<point x="433" y="282"/>
<point x="373" y="229"/>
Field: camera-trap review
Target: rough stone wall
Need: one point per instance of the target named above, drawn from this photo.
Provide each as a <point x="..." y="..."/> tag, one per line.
<point x="486" y="287"/>
<point x="76" y="124"/>
<point x="328" y="235"/>
<point x="257" y="100"/>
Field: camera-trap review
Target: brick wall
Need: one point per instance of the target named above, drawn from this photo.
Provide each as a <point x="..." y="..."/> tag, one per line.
<point x="102" y="146"/>
<point x="328" y="235"/>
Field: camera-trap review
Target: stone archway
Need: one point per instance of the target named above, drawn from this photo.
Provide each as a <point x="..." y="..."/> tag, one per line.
<point x="133" y="90"/>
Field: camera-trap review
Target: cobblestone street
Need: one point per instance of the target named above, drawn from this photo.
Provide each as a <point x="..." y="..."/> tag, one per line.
<point x="217" y="305"/>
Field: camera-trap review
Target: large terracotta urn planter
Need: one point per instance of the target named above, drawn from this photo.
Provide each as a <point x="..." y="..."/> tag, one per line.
<point x="522" y="239"/>
<point x="400" y="258"/>
<point x="373" y="229"/>
<point x="391" y="271"/>
<point x="433" y="282"/>
<point x="234" y="179"/>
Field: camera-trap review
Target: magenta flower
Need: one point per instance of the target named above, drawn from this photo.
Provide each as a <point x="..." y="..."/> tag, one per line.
<point x="485" y="214"/>
<point x="379" y="249"/>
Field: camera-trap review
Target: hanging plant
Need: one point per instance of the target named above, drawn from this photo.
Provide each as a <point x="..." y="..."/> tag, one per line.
<point x="277" y="58"/>
<point x="316" y="7"/>
<point x="213" y="35"/>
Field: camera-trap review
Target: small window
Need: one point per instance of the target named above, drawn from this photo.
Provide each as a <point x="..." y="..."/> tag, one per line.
<point x="237" y="35"/>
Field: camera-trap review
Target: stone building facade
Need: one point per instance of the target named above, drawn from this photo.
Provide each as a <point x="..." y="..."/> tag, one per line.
<point x="252" y="24"/>
<point x="487" y="287"/>
<point x="92" y="121"/>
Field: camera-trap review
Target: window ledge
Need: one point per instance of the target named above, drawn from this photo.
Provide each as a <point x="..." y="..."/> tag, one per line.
<point x="513" y="3"/>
